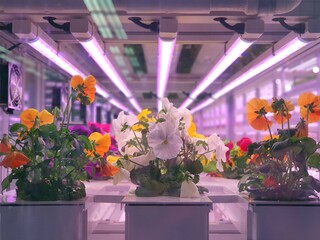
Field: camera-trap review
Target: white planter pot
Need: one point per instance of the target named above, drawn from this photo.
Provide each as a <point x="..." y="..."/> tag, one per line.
<point x="283" y="220"/>
<point x="169" y="218"/>
<point x="63" y="220"/>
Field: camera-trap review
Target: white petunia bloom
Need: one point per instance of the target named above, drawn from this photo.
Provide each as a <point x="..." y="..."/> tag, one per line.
<point x="221" y="155"/>
<point x="164" y="139"/>
<point x="175" y="114"/>
<point x="118" y="124"/>
<point x="130" y="150"/>
<point x="121" y="175"/>
<point x="143" y="159"/>
<point x="189" y="190"/>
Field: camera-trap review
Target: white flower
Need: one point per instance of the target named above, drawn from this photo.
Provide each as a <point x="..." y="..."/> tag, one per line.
<point x="189" y="190"/>
<point x="143" y="159"/>
<point x="164" y="139"/>
<point x="130" y="150"/>
<point x="166" y="104"/>
<point x="120" y="175"/>
<point x="118" y="124"/>
<point x="175" y="114"/>
<point x="221" y="156"/>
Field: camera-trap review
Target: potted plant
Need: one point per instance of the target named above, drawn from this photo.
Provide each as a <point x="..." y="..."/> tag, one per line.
<point x="47" y="163"/>
<point x="162" y="154"/>
<point x="281" y="176"/>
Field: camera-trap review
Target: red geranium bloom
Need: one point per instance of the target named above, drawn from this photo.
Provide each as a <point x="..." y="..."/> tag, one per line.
<point x="243" y="144"/>
<point x="230" y="146"/>
<point x="270" y="182"/>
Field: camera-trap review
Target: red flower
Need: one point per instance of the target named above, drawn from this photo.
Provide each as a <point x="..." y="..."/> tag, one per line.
<point x="230" y="146"/>
<point x="270" y="182"/>
<point x="244" y="143"/>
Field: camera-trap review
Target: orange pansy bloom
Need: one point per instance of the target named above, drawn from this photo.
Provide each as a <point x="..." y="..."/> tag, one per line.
<point x="85" y="88"/>
<point x="29" y="116"/>
<point x="268" y="137"/>
<point x="309" y="107"/>
<point x="108" y="170"/>
<point x="281" y="109"/>
<point x="14" y="160"/>
<point x="102" y="142"/>
<point x="256" y="111"/>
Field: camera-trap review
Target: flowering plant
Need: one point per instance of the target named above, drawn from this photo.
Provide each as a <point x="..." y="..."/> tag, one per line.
<point x="281" y="172"/>
<point x="237" y="163"/>
<point x="162" y="154"/>
<point x="47" y="159"/>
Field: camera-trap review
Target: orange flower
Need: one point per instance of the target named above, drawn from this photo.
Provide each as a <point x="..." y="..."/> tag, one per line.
<point x="28" y="117"/>
<point x="281" y="109"/>
<point x="12" y="159"/>
<point x="102" y="142"/>
<point x="108" y="170"/>
<point x="267" y="137"/>
<point x="309" y="107"/>
<point x="256" y="113"/>
<point x="85" y="88"/>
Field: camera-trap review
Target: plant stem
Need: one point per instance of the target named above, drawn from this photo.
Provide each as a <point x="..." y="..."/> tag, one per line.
<point x="287" y="112"/>
<point x="139" y="143"/>
<point x="65" y="112"/>
<point x="268" y="125"/>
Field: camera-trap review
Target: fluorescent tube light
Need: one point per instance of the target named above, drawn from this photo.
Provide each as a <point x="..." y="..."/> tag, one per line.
<point x="46" y="50"/>
<point x="238" y="46"/>
<point x="165" y="53"/>
<point x="97" y="53"/>
<point x="284" y="48"/>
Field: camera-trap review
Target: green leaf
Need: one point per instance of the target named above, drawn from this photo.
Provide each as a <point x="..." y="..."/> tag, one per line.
<point x="210" y="167"/>
<point x="314" y="160"/>
<point x="242" y="182"/>
<point x="6" y="182"/>
<point x="309" y="145"/>
<point x="17" y="127"/>
<point x="196" y="179"/>
<point x="47" y="129"/>
<point x="241" y="162"/>
<point x="86" y="142"/>
<point x="160" y="120"/>
<point x="194" y="167"/>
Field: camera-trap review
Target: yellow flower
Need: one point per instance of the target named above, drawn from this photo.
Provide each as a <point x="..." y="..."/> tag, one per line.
<point x="112" y="159"/>
<point x="85" y="88"/>
<point x="143" y="117"/>
<point x="29" y="116"/>
<point x="102" y="142"/>
<point x="192" y="131"/>
<point x="309" y="107"/>
<point x="256" y="113"/>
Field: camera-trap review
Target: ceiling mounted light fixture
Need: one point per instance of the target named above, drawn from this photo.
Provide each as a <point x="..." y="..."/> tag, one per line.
<point x="88" y="38"/>
<point x="42" y="43"/>
<point x="166" y="44"/>
<point x="281" y="50"/>
<point x="235" y="47"/>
